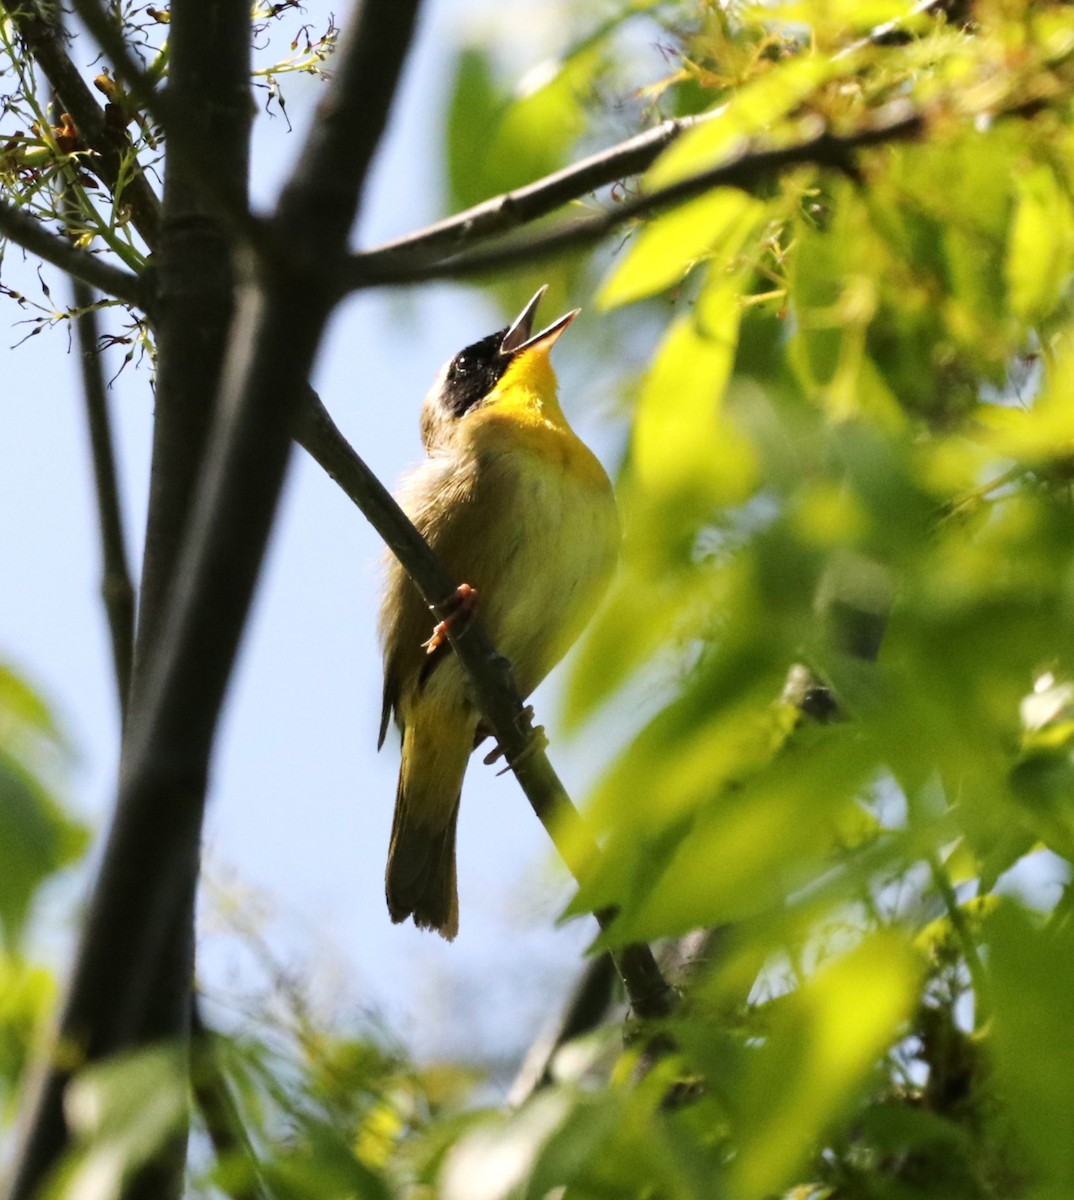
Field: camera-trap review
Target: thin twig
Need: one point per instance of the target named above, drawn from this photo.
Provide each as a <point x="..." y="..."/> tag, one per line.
<point x="33" y="235"/>
<point x="492" y="684"/>
<point x="964" y="936"/>
<point x="117" y="590"/>
<point x="897" y="123"/>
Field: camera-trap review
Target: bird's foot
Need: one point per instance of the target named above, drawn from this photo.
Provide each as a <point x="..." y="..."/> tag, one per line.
<point x="458" y="610"/>
<point x="538" y="741"/>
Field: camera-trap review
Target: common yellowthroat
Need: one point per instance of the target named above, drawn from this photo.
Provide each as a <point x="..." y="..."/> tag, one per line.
<point x="517" y="506"/>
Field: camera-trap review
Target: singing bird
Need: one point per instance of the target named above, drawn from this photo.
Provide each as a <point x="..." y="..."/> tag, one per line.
<point x="518" y="507"/>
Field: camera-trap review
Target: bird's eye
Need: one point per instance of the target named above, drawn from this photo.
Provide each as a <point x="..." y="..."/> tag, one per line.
<point x="461" y="365"/>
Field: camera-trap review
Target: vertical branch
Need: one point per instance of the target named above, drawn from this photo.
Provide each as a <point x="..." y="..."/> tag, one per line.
<point x="137" y="923"/>
<point x="117" y="591"/>
<point x="125" y="991"/>
<point x="208" y="87"/>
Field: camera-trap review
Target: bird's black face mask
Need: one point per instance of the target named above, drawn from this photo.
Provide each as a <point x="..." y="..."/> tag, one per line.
<point x="473" y="373"/>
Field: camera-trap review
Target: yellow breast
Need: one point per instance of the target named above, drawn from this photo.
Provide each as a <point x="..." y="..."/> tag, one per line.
<point x="550" y="532"/>
<point x="523" y="411"/>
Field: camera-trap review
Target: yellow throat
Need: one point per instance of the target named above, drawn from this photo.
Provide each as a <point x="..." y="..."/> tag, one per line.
<point x="523" y="408"/>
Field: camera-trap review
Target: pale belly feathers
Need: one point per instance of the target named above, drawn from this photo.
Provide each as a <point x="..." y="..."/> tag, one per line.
<point x="544" y="546"/>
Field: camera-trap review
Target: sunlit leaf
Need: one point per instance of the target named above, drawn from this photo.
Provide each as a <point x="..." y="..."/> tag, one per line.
<point x="27" y="993"/>
<point x="36" y="839"/>
<point x="824" y="1043"/>
<point x="752" y="109"/>
<point x="122" y="1112"/>
<point x="668" y="246"/>
<point x="475" y="104"/>
<point x="21" y="705"/>
<point x="847" y="14"/>
<point x="1032" y="970"/>
<point x="758" y="831"/>
<point x="681" y="442"/>
<point x="1040" y="254"/>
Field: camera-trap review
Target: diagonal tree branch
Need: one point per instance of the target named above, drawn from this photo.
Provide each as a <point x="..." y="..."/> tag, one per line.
<point x="32" y="235"/>
<point x="586" y="1009"/>
<point x="523" y="205"/>
<point x="836" y="151"/>
<point x="500" y="214"/>
<point x="116" y="588"/>
<point x="45" y="40"/>
<point x="494" y="690"/>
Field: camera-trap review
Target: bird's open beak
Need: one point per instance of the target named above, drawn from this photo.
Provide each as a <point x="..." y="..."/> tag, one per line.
<point x="519" y="337"/>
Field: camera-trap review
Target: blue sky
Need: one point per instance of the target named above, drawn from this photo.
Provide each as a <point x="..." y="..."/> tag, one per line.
<point x="301" y="802"/>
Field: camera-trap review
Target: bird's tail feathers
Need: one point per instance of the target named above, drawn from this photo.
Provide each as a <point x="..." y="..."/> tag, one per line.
<point x="420" y="881"/>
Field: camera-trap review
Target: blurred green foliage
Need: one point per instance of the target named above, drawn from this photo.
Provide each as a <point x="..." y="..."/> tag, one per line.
<point x="855" y="433"/>
<point x="38" y="838"/>
<point x="37" y="834"/>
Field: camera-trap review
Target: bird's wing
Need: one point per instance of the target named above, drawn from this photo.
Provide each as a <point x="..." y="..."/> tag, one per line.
<point x="440" y="497"/>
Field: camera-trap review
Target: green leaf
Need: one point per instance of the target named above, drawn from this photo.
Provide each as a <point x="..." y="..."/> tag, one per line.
<point x="36" y="840"/>
<point x="21" y="706"/>
<point x="475" y="104"/>
<point x="27" y="993"/>
<point x="498" y="140"/>
<point x="1032" y="972"/>
<point x="760" y="830"/>
<point x="122" y="1112"/>
<point x="1040" y="252"/>
<point x="688" y="459"/>
<point x="682" y="443"/>
<point x="824" y="1043"/>
<point x="716" y="224"/>
<point x="752" y="109"/>
<point x="323" y="1165"/>
<point x="847" y="15"/>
